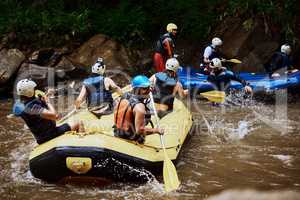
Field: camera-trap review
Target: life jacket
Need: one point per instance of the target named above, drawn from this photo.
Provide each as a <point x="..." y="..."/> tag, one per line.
<point x="160" y="46"/>
<point x="124" y="119"/>
<point x="214" y="53"/>
<point x="222" y="79"/>
<point x="97" y="94"/>
<point x="164" y="87"/>
<point x="280" y="60"/>
<point x="39" y="126"/>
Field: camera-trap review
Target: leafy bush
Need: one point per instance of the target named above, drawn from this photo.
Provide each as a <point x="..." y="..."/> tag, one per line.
<point x="135" y="23"/>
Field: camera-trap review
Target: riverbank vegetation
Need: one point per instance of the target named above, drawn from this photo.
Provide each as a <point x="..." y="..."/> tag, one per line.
<point x="44" y="23"/>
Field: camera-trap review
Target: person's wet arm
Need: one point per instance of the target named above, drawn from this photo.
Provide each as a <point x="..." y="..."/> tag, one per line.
<point x="139" y="113"/>
<point x="80" y="97"/>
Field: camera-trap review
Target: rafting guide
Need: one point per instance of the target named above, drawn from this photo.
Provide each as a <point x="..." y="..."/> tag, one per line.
<point x="164" y="48"/>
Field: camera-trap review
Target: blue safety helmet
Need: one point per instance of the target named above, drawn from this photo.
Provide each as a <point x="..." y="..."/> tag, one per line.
<point x="140" y="81"/>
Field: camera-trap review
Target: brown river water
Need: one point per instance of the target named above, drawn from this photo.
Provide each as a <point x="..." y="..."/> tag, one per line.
<point x="254" y="147"/>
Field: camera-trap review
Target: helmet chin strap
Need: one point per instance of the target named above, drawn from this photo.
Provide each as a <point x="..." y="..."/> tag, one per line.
<point x="139" y="96"/>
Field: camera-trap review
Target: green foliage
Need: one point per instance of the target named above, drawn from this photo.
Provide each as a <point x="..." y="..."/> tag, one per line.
<point x="133" y="22"/>
<point x="281" y="12"/>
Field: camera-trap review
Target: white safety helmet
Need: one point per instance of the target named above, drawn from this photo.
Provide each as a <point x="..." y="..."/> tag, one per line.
<point x="216" y="42"/>
<point x="172" y="64"/>
<point x="285" y="48"/>
<point x="216" y="63"/>
<point x="171" y="27"/>
<point x="99" y="67"/>
<point x="25" y="87"/>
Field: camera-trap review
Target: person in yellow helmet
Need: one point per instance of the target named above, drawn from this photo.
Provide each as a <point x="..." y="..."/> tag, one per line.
<point x="164" y="48"/>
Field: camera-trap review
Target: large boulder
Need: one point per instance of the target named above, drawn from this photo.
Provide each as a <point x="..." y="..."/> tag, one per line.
<point x="114" y="54"/>
<point x="253" y="41"/>
<point x="10" y="61"/>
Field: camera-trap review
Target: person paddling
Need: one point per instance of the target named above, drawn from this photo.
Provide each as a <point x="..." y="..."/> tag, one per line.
<point x="164" y="48"/>
<point x="38" y="113"/>
<point x="166" y="86"/>
<point x="130" y="113"/>
<point x="211" y="51"/>
<point x="281" y="62"/>
<point x="220" y="77"/>
<point x="97" y="89"/>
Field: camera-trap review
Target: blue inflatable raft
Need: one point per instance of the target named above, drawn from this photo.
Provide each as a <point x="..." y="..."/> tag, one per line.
<point x="191" y="78"/>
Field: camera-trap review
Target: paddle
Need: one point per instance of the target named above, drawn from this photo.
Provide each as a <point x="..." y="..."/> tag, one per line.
<point x="169" y="171"/>
<point x="214" y="96"/>
<point x="233" y="60"/>
<point x="114" y="95"/>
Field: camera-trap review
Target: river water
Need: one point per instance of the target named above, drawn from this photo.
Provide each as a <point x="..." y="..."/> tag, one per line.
<point x="253" y="147"/>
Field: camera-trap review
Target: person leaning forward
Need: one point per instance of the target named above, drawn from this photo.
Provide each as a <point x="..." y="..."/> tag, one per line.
<point x="38" y="113"/>
<point x="166" y="86"/>
<point x="130" y="112"/>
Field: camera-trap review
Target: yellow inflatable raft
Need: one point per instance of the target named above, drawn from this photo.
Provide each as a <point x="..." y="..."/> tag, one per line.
<point x="98" y="153"/>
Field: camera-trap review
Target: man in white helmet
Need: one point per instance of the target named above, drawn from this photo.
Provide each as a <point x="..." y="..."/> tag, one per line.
<point x="97" y="90"/>
<point x="166" y="86"/>
<point x="221" y="77"/>
<point x="211" y="51"/>
<point x="164" y="48"/>
<point x="38" y="113"/>
<point x="281" y="62"/>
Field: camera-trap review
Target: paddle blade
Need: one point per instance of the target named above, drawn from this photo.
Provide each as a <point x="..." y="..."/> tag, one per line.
<point x="214" y="96"/>
<point x="236" y="61"/>
<point x="39" y="93"/>
<point x="170" y="175"/>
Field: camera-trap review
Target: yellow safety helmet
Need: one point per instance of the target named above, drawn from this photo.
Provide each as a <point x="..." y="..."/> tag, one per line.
<point x="171" y="27"/>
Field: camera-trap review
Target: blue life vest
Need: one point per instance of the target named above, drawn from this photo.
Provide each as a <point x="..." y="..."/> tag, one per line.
<point x="39" y="126"/>
<point x="97" y="94"/>
<point x="164" y="88"/>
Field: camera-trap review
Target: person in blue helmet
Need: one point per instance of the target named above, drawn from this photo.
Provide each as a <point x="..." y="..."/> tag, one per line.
<point x="166" y="86"/>
<point x="38" y="113"/>
<point x="97" y="90"/>
<point x="130" y="113"/>
<point x="220" y="77"/>
<point x="281" y="62"/>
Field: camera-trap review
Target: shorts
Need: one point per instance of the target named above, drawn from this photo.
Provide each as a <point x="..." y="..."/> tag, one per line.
<point x="59" y="130"/>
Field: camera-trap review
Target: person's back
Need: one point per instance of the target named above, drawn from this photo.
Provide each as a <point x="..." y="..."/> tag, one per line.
<point x="166" y="86"/>
<point x="30" y="111"/>
<point x="38" y="113"/>
<point x="97" y="89"/>
<point x="130" y="112"/>
<point x="164" y="89"/>
<point x="280" y="62"/>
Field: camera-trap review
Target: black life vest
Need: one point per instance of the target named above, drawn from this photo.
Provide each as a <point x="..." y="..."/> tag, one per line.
<point x="279" y="61"/>
<point x="39" y="126"/>
<point x="159" y="47"/>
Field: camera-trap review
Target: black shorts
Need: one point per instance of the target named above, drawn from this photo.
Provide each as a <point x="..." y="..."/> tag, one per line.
<point x="59" y="130"/>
